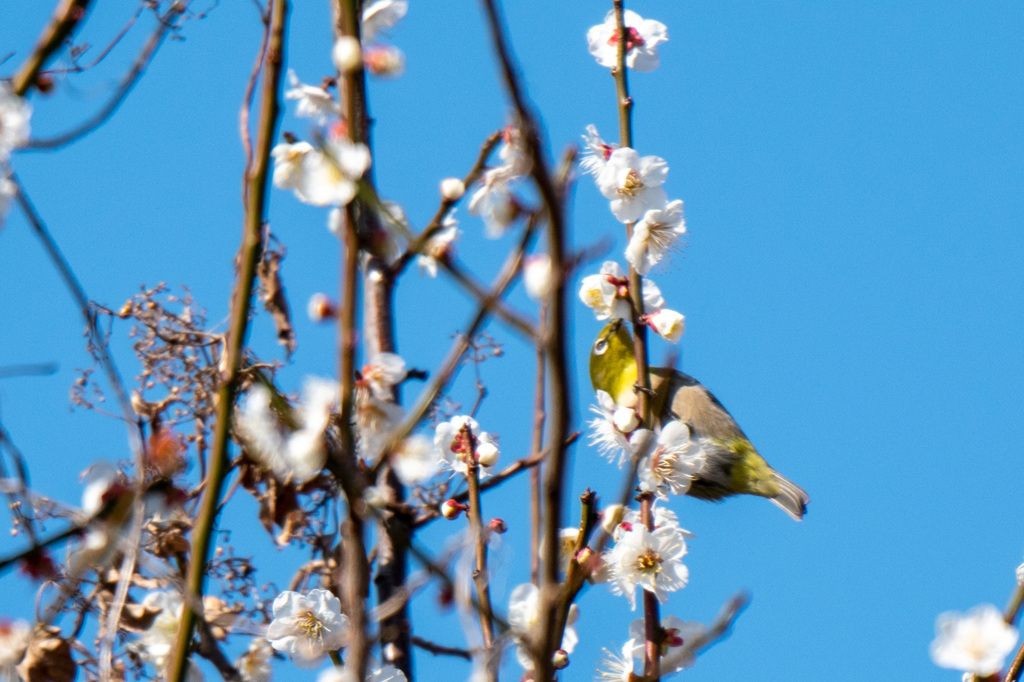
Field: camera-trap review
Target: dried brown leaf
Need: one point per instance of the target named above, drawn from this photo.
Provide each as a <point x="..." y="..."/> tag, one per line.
<point x="274" y="299"/>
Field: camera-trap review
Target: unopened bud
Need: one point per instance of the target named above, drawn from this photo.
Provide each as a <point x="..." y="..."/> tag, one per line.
<point x="584" y="556"/>
<point x="560" y="661"/>
<point x="537" y="276"/>
<point x="611" y="516"/>
<point x="497" y="526"/>
<point x="625" y="419"/>
<point x="347" y="54"/>
<point x="487" y="454"/>
<point x="384" y="60"/>
<point x="44" y="83"/>
<point x="452" y="189"/>
<point x="320" y="308"/>
<point x="452" y="508"/>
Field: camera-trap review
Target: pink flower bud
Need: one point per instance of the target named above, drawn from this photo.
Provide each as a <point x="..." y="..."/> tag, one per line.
<point x="560" y="661"/>
<point x="384" y="60"/>
<point x="452" y="508"/>
<point x="497" y="526"/>
<point x="320" y="308"/>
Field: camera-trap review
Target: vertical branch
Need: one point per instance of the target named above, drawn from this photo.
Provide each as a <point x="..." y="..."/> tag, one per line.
<point x="652" y="621"/>
<point x="354" y="565"/>
<point x="476" y="528"/>
<point x="625" y="106"/>
<point x="379" y="333"/>
<point x="550" y="636"/>
<point x="250" y="250"/>
<point x="538" y="447"/>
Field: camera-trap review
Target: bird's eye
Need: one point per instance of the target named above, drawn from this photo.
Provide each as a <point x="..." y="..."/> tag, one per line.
<point x="600" y="347"/>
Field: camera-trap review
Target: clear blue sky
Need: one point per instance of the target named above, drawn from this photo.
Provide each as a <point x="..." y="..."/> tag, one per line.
<point x="853" y="285"/>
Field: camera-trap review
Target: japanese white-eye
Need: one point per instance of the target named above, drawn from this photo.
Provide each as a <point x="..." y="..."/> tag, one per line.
<point x="732" y="465"/>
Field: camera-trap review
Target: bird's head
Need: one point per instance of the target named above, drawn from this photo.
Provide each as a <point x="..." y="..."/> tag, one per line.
<point x="612" y="363"/>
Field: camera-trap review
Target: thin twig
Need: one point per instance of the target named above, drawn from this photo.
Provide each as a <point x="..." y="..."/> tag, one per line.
<point x="509" y="271"/>
<point x="481" y="578"/>
<point x="149" y="50"/>
<point x="440" y="650"/>
<point x="500" y="309"/>
<point x="250" y="91"/>
<point x="556" y="347"/>
<point x="98" y="340"/>
<point x="437" y="221"/>
<point x="64" y="20"/>
<point x="78" y="68"/>
<point x="249" y="253"/>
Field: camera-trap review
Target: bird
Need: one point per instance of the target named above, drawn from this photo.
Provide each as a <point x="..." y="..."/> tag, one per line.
<point x="732" y="464"/>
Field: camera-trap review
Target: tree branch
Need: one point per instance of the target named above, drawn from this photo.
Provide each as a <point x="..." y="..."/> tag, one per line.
<point x="249" y="253"/>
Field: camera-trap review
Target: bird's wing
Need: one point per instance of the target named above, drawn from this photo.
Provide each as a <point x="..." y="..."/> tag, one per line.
<point x="687" y="400"/>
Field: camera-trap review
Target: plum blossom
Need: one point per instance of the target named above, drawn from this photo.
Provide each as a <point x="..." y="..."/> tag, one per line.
<point x="311" y="101"/>
<point x="386" y="673"/>
<point x="375" y="420"/>
<point x="649" y="559"/>
<point x="321" y="176"/>
<point x="494" y="201"/>
<point x="439" y="245"/>
<point x="977" y="642"/>
<point x="619" y="666"/>
<point x="299" y="454"/>
<point x="607" y="293"/>
<point x="15" y="113"/>
<point x="414" y="460"/>
<point x="595" y="152"/>
<point x="668" y="324"/>
<point x="382" y="373"/>
<point x="642" y="39"/>
<point x="678" y="648"/>
<point x="157" y="643"/>
<point x="453" y="450"/>
<point x="524" y="620"/>
<point x="254" y="664"/>
<point x="381" y="15"/>
<point x="633" y="183"/>
<point x="655" y="235"/>
<point x="676" y="459"/>
<point x="663" y="517"/>
<point x="612" y="429"/>
<point x="15" y="637"/>
<point x="307" y="627"/>
<point x="381" y="59"/>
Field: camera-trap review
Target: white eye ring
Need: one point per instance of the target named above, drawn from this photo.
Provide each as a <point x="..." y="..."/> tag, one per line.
<point x="600" y="347"/>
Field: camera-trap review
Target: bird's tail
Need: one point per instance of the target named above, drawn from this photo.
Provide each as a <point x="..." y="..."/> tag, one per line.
<point x="792" y="499"/>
